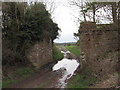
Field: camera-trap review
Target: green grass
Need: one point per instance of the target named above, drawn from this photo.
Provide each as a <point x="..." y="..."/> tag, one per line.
<point x="82" y="80"/>
<point x="25" y="71"/>
<point x="8" y="82"/>
<point x="22" y="73"/>
<point x="57" y="55"/>
<point x="74" y="49"/>
<point x="0" y="83"/>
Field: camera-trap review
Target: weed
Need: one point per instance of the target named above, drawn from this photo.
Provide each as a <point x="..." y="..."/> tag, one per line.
<point x="24" y="71"/>
<point x="57" y="55"/>
<point x="21" y="72"/>
<point x="82" y="80"/>
<point x="8" y="82"/>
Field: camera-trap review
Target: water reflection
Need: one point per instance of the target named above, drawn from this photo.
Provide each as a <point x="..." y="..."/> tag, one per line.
<point x="68" y="67"/>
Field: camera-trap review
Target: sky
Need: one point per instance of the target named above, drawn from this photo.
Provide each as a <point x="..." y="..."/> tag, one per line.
<point x="63" y="16"/>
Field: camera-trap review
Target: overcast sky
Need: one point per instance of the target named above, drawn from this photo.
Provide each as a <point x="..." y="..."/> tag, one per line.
<point x="63" y="16"/>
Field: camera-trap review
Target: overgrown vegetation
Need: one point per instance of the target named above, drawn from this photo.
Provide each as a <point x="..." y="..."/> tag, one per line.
<point x="74" y="49"/>
<point x="8" y="82"/>
<point x="20" y="74"/>
<point x="82" y="80"/>
<point x="57" y="55"/>
<point x="25" y="71"/>
<point x="24" y="25"/>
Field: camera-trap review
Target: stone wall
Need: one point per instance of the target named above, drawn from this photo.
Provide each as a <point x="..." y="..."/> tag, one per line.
<point x="100" y="47"/>
<point x="40" y="54"/>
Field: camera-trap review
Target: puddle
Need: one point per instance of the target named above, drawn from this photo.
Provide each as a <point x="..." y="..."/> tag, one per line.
<point x="65" y="53"/>
<point x="68" y="67"/>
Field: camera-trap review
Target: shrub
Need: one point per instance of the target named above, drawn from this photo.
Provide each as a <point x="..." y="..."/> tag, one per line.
<point x="57" y="55"/>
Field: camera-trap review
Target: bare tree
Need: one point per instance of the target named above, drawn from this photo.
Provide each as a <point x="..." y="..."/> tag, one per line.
<point x="114" y="11"/>
<point x="119" y="11"/>
<point x="0" y="13"/>
<point x="80" y="5"/>
<point x="109" y="10"/>
<point x="85" y="8"/>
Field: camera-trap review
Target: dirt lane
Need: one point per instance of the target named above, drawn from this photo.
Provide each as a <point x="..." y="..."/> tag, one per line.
<point x="46" y="78"/>
<point x="70" y="55"/>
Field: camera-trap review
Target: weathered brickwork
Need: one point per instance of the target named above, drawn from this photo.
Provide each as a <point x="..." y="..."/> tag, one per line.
<point x="40" y="54"/>
<point x="100" y="48"/>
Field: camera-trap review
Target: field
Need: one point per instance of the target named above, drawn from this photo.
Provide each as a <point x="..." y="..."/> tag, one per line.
<point x="74" y="49"/>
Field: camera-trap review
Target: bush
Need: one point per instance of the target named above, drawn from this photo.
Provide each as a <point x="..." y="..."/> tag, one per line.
<point x="57" y="55"/>
<point x="10" y="57"/>
<point x="23" y="27"/>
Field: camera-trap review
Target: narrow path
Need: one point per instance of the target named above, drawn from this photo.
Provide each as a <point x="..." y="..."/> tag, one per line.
<point x="68" y="67"/>
<point x="70" y="55"/>
<point x="46" y="78"/>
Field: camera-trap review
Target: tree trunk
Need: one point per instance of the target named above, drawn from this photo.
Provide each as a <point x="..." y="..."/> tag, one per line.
<point x="93" y="12"/>
<point x="119" y="11"/>
<point x="84" y="15"/>
<point x="114" y="12"/>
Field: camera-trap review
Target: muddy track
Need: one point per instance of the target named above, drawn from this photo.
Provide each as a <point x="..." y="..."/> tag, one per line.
<point x="45" y="78"/>
<point x="70" y="55"/>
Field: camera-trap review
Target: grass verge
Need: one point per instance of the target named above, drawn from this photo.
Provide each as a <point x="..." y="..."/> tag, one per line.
<point x="57" y="55"/>
<point x="18" y="75"/>
<point x="82" y="80"/>
<point x="74" y="49"/>
<point x="6" y="83"/>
